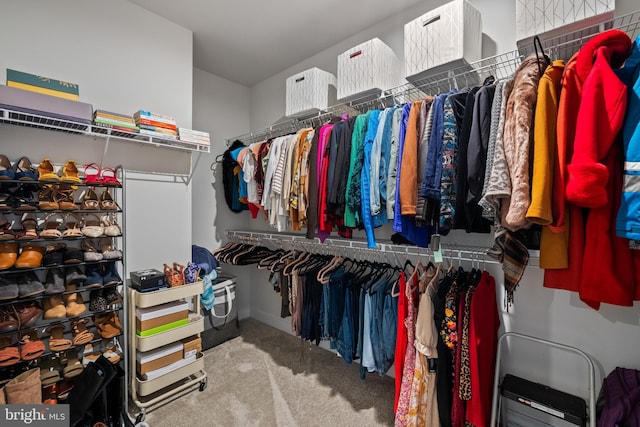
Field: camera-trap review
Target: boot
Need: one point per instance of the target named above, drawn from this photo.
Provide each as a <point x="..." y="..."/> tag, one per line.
<point x="88" y="387"/>
<point x="73" y="302"/>
<point x="8" y="255"/>
<point x="54" y="308"/>
<point x="25" y="389"/>
<point x="115" y="397"/>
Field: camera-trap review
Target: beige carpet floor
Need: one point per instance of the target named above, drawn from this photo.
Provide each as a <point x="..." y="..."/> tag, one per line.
<point x="269" y="378"/>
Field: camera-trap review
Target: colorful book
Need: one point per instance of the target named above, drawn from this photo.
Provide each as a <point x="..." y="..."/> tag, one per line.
<point x="114" y="116"/>
<point x="115" y="123"/>
<point x="156" y="124"/>
<point x="41" y="81"/>
<point x="156" y="134"/>
<point x="157" y="129"/>
<point x="44" y="91"/>
<point x="118" y="128"/>
<point x="186" y="131"/>
<point x="159" y="117"/>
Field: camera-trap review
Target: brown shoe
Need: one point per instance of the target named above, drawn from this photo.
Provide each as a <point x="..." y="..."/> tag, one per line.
<point x="27" y="313"/>
<point x="108" y="325"/>
<point x="8" y="320"/>
<point x="54" y="308"/>
<point x="73" y="302"/>
<point x="8" y="255"/>
<point x="30" y="257"/>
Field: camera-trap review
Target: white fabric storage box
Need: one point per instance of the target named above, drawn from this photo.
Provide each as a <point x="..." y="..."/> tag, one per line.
<point x="447" y="36"/>
<point x="366" y="69"/>
<point x="310" y="91"/>
<point x="536" y="17"/>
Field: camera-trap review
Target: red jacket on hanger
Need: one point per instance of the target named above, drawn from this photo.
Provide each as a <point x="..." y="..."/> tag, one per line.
<point x="594" y="172"/>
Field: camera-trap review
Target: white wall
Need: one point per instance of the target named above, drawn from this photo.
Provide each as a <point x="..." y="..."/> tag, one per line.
<point x="221" y="108"/>
<point x="123" y="58"/>
<point x="611" y="336"/>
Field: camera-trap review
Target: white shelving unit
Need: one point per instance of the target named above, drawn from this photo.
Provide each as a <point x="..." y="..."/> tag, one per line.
<point x="153" y="392"/>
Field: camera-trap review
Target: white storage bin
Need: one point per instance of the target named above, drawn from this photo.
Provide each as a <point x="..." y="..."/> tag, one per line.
<point x="536" y="17"/>
<point x="366" y="69"/>
<point x="450" y="35"/>
<point x="310" y="91"/>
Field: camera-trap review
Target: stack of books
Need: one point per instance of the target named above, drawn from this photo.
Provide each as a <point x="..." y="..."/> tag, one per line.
<point x="116" y="121"/>
<point x="44" y="85"/>
<point x="157" y="125"/>
<point x="194" y="136"/>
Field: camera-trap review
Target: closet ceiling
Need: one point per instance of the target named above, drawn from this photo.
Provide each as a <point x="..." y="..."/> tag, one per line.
<point x="247" y="41"/>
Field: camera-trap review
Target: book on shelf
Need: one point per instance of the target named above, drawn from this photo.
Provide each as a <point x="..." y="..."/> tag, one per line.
<point x="113" y="116"/>
<point x="42" y="82"/>
<point x="156" y="134"/>
<point x="115" y="123"/>
<point x="154" y="116"/>
<point x="43" y="90"/>
<point x="116" y="127"/>
<point x="197" y="141"/>
<point x="156" y="124"/>
<point x="159" y="130"/>
<point x="185" y="131"/>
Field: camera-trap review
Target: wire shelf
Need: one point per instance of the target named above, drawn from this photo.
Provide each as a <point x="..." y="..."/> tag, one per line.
<point x="562" y="44"/>
<point x="8" y="116"/>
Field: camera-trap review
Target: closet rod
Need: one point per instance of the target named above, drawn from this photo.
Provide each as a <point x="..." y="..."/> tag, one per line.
<point x="450" y="252"/>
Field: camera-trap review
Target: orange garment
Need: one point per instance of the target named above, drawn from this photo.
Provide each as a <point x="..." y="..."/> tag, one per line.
<point x="409" y="171"/>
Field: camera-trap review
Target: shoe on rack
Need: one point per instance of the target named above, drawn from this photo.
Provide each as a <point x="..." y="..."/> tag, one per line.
<point x="73" y="302"/>
<point x="25" y="389"/>
<point x="29" y="231"/>
<point x="90" y="200"/>
<point x="109" y="177"/>
<point x="72" y="222"/>
<point x="54" y="254"/>
<point x="8" y="319"/>
<point x="73" y="368"/>
<point x="6" y="171"/>
<point x="6" y="233"/>
<point x="108" y="325"/>
<point x="64" y="198"/>
<point x="97" y="300"/>
<point x="74" y="276"/>
<point x="9" y="354"/>
<point x="8" y="289"/>
<point x="112" y="350"/>
<point x="111" y="276"/>
<point x="46" y="171"/>
<point x="94" y="276"/>
<point x="112" y="296"/>
<point x="8" y="255"/>
<point x="92" y="174"/>
<point x="31" y="347"/>
<point x="69" y="173"/>
<point x="81" y="334"/>
<point x="47" y="198"/>
<point x="54" y="307"/>
<point x="24" y="170"/>
<point x="108" y="249"/>
<point x="22" y="198"/>
<point x="57" y="341"/>
<point x="51" y="228"/>
<point x="54" y="282"/>
<point x="29" y="284"/>
<point x="106" y="201"/>
<point x="30" y="256"/>
<point x="73" y="256"/>
<point x="27" y="313"/>
<point x="91" y="254"/>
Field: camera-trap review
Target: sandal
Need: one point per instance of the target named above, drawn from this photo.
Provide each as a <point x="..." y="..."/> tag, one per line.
<point x="69" y="173"/>
<point x="5" y="229"/>
<point x="73" y="368"/>
<point x="109" y="177"/>
<point x="113" y="351"/>
<point x="57" y="341"/>
<point x="111" y="226"/>
<point x="72" y="223"/>
<point x="51" y="224"/>
<point x="64" y="198"/>
<point x="108" y="325"/>
<point x="46" y="198"/>
<point x="92" y="226"/>
<point x="5" y="168"/>
<point x="90" y="355"/>
<point x="24" y="170"/>
<point x="106" y="201"/>
<point x="23" y="199"/>
<point x="90" y="201"/>
<point x="30" y="346"/>
<point x="49" y="377"/>
<point x="92" y="174"/>
<point x="46" y="173"/>
<point x="81" y="334"/>
<point x="91" y="254"/>
<point x="9" y="355"/>
<point x="29" y="227"/>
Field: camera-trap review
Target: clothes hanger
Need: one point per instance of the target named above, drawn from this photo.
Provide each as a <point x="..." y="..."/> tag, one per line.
<point x="538" y="44"/>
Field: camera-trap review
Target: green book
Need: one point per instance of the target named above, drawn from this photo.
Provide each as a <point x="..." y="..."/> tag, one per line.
<point x="41" y="81"/>
<point x="162" y="328"/>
